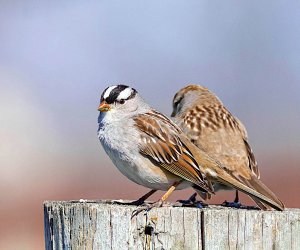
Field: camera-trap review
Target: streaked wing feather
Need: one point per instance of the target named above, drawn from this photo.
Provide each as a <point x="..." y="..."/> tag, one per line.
<point x="211" y="117"/>
<point x="252" y="162"/>
<point x="161" y="142"/>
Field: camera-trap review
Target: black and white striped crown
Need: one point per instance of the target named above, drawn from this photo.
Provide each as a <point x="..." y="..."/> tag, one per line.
<point x="117" y="93"/>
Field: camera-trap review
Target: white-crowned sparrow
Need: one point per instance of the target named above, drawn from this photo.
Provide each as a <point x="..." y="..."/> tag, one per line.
<point x="152" y="151"/>
<point x="210" y="126"/>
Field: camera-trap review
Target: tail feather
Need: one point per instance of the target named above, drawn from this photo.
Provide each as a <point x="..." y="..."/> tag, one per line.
<point x="256" y="189"/>
<point x="253" y="187"/>
<point x="261" y="205"/>
<point x="257" y="185"/>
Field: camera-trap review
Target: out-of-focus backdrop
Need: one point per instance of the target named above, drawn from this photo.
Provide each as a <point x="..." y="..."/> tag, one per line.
<point x="56" y="57"/>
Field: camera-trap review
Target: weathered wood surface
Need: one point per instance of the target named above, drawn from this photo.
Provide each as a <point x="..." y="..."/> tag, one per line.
<point x="100" y="225"/>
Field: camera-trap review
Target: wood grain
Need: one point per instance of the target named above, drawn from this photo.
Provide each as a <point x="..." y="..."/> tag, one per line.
<point x="102" y="225"/>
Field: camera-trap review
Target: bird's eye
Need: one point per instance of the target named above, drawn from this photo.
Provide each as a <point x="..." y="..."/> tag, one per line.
<point x="122" y="101"/>
<point x="177" y="102"/>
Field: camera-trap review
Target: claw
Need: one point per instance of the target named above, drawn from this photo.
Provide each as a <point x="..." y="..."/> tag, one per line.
<point x="238" y="205"/>
<point x="200" y="204"/>
<point x="192" y="202"/>
<point x="231" y="204"/>
<point x="146" y="208"/>
<point x="139" y="210"/>
<point x="189" y="201"/>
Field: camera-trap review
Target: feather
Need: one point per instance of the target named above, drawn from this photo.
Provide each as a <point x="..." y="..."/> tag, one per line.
<point x="161" y="142"/>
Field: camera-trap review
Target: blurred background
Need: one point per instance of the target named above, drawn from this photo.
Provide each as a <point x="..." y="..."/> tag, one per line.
<point x="56" y="57"/>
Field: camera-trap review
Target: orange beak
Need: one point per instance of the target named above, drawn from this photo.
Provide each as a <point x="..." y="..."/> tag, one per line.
<point x="103" y="107"/>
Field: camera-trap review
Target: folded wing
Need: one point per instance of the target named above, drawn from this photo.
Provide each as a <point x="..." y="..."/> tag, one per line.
<point x="160" y="143"/>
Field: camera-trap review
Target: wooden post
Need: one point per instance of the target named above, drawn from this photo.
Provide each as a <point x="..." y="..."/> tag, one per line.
<point x="101" y="225"/>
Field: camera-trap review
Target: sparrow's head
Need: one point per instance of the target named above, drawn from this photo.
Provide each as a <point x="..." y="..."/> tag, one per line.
<point x="190" y="95"/>
<point x="120" y="100"/>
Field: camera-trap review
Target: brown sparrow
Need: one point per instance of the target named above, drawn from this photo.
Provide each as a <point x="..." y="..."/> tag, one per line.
<point x="211" y="127"/>
<point x="149" y="149"/>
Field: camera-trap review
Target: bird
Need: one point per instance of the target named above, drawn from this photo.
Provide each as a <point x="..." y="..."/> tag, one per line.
<point x="152" y="151"/>
<point x="210" y="126"/>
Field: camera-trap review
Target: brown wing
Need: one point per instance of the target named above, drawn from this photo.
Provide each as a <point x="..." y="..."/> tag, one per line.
<point x="161" y="143"/>
<point x="244" y="181"/>
<point x="252" y="162"/>
<point x="226" y="141"/>
<point x="221" y="135"/>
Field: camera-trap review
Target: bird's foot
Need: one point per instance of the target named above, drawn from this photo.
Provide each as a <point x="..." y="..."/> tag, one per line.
<point x="237" y="204"/>
<point x="147" y="207"/>
<point x="192" y="202"/>
<point x="233" y="204"/>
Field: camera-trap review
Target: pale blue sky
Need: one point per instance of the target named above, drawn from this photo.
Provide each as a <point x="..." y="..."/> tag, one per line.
<point x="64" y="53"/>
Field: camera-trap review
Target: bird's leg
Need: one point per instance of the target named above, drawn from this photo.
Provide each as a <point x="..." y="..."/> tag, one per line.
<point x="158" y="203"/>
<point x="139" y="201"/>
<point x="192" y="202"/>
<point x="236" y="200"/>
<point x="189" y="201"/>
<point x="170" y="191"/>
<point x="236" y="203"/>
